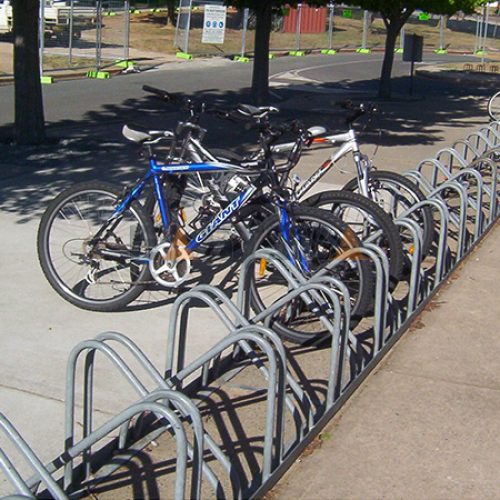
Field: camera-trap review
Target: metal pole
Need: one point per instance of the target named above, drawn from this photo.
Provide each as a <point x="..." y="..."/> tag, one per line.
<point x="476" y="38"/>
<point x="331" y="8"/>
<point x="486" y="30"/>
<point x="441" y="33"/>
<point x="297" y="27"/>
<point x="402" y="38"/>
<point x="412" y="71"/>
<point x="481" y="32"/>
<point x="188" y="28"/>
<point x="41" y="35"/>
<point x="244" y="33"/>
<point x="126" y="31"/>
<point x="70" y="41"/>
<point x="98" y="34"/>
<point x="365" y="29"/>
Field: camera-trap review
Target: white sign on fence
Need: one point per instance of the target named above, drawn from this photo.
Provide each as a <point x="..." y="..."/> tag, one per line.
<point x="214" y="24"/>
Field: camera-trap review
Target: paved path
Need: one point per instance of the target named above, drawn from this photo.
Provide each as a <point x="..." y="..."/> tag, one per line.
<point x="426" y="423"/>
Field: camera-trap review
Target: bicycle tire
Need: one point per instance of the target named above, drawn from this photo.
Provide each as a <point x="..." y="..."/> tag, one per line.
<point x="66" y="227"/>
<point x="348" y="206"/>
<point x="355" y="272"/>
<point x="494" y="107"/>
<point x="384" y="183"/>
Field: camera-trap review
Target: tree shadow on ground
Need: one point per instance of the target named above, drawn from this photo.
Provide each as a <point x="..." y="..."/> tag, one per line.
<point x="93" y="147"/>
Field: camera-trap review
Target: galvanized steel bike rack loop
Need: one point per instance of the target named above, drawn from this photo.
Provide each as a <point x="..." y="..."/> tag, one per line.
<point x="43" y="473"/>
<point x="276" y="388"/>
<point x="182" y="404"/>
<point x="176" y="371"/>
<point x="175" y="357"/>
<point x="21" y="486"/>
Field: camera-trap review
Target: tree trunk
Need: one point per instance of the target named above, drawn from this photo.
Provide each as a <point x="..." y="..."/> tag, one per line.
<point x="260" y="75"/>
<point x="171" y="5"/>
<point x="29" y="125"/>
<point x="393" y="29"/>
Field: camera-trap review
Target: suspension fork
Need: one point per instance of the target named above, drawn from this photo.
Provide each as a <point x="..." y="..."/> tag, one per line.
<point x="363" y="171"/>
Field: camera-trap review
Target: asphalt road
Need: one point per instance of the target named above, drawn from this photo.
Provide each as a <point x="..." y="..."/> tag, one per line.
<point x="349" y="74"/>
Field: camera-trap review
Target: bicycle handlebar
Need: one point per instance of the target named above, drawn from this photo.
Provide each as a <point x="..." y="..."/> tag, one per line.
<point x="196" y="108"/>
<point x="357" y="111"/>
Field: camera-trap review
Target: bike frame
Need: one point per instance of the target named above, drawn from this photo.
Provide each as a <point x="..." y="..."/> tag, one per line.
<point x="347" y="143"/>
<point x="155" y="173"/>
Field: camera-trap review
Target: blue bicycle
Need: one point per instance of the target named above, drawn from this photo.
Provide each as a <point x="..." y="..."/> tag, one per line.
<point x="99" y="245"/>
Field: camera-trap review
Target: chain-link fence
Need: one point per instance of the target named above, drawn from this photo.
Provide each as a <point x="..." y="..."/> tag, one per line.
<point x="93" y="34"/>
<point x="331" y="27"/>
<point x="87" y="34"/>
<point x="210" y="28"/>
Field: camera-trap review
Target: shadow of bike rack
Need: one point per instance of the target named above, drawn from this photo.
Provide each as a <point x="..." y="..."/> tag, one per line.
<point x="461" y="187"/>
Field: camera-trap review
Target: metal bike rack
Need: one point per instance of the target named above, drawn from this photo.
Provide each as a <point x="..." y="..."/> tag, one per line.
<point x="44" y="473"/>
<point x="469" y="172"/>
<point x="163" y="392"/>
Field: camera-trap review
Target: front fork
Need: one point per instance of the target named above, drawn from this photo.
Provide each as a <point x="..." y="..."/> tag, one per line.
<point x="363" y="170"/>
<point x="291" y="239"/>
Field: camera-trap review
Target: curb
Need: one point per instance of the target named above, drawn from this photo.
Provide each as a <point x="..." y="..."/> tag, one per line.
<point x="77" y="74"/>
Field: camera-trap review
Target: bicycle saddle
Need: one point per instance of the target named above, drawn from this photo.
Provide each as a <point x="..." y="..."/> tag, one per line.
<point x="256" y="112"/>
<point x="139" y="134"/>
<point x="316" y="131"/>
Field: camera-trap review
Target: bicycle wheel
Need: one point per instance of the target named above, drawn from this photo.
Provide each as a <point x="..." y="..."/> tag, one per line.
<point x="322" y="239"/>
<point x="395" y="194"/>
<point x="100" y="275"/>
<point x="368" y="221"/>
<point x="494" y="107"/>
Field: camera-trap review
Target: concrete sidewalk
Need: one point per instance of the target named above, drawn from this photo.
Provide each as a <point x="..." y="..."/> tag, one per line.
<point x="426" y="423"/>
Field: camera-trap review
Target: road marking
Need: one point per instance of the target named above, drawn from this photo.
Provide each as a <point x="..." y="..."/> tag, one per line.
<point x="293" y="75"/>
<point x="309" y="68"/>
<point x="319" y="89"/>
